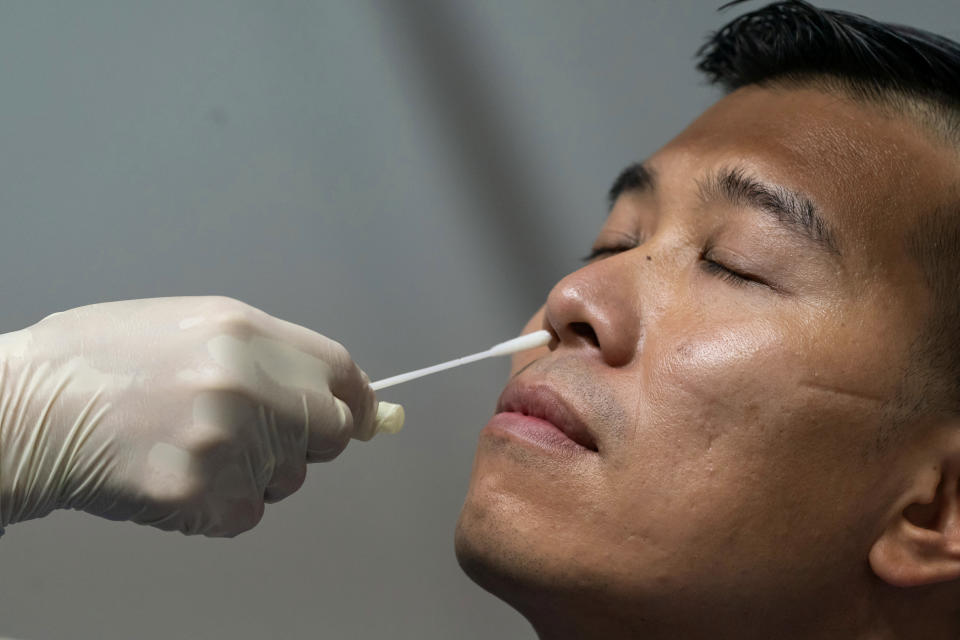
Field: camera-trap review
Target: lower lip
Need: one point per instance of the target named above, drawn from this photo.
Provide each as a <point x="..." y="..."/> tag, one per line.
<point x="531" y="430"/>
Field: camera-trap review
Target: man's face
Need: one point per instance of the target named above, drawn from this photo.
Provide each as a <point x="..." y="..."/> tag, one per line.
<point x="732" y="361"/>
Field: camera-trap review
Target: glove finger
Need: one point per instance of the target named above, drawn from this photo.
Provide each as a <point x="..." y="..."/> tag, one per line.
<point x="363" y="405"/>
<point x="211" y="477"/>
<point x="345" y="379"/>
<point x="287" y="478"/>
<point x="328" y="425"/>
<point x="283" y="443"/>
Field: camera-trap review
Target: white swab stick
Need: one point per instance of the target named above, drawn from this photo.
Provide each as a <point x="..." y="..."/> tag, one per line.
<point x="524" y="342"/>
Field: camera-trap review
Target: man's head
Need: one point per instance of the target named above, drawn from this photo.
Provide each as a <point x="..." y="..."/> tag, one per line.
<point x="757" y="364"/>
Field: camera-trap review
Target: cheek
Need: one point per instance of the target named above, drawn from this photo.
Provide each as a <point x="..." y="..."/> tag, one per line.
<point x="716" y="414"/>
<point x="720" y="377"/>
<point x="739" y="436"/>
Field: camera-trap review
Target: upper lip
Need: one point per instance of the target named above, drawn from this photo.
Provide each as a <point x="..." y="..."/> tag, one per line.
<point x="546" y="403"/>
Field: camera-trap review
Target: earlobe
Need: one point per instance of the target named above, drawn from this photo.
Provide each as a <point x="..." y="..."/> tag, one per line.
<point x="921" y="544"/>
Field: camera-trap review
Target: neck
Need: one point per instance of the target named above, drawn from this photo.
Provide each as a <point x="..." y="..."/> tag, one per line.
<point x="570" y="621"/>
<point x="645" y="629"/>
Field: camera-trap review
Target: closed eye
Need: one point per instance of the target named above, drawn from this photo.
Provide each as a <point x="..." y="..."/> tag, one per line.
<point x="603" y="252"/>
<point x="710" y="266"/>
<point x="729" y="275"/>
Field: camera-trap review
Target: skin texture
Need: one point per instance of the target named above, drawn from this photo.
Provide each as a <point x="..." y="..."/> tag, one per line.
<point x="753" y="476"/>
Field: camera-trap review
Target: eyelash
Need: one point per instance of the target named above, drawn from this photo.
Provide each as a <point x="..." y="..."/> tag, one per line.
<point x="734" y="278"/>
<point x="711" y="267"/>
<point x="602" y="252"/>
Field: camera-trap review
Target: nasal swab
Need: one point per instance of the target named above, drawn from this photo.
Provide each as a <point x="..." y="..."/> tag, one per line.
<point x="524" y="342"/>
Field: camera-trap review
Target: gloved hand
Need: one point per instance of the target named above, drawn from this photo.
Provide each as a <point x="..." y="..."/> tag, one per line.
<point x="181" y="413"/>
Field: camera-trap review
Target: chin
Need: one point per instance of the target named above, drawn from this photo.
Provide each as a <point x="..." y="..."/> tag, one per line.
<point x="557" y="595"/>
<point x="497" y="564"/>
<point x="509" y="552"/>
<point x="496" y="547"/>
<point x="519" y="535"/>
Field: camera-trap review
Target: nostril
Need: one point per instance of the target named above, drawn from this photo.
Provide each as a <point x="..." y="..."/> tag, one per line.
<point x="584" y="330"/>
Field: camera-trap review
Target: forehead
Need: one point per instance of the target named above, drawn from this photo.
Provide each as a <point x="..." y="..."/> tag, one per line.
<point x="870" y="171"/>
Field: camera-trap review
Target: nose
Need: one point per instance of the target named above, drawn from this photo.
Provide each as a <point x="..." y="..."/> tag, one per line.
<point x="597" y="308"/>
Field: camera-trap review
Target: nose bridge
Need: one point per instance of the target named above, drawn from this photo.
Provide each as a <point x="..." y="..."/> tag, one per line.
<point x="599" y="307"/>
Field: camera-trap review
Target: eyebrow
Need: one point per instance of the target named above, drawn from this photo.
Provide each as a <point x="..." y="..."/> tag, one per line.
<point x="791" y="210"/>
<point x="637" y="177"/>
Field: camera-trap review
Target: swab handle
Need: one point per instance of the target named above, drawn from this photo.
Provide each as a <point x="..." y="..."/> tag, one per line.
<point x="419" y="373"/>
<point x="528" y="341"/>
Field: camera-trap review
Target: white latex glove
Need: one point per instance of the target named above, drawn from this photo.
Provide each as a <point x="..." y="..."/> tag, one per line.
<point x="182" y="413"/>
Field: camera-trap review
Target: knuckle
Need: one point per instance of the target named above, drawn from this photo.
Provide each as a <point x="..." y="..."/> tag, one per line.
<point x="339" y="358"/>
<point x="217" y="380"/>
<point x="220" y="302"/>
<point x="233" y="322"/>
<point x="206" y="440"/>
<point x="231" y="315"/>
<point x="62" y="315"/>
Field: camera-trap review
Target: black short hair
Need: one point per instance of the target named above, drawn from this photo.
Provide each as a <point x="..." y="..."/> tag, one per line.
<point x="907" y="69"/>
<point x="795" y="39"/>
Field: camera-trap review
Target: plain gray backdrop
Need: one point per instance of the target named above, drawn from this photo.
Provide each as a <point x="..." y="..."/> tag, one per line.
<point x="409" y="178"/>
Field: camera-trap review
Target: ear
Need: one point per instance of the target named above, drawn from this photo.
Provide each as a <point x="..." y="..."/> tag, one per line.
<point x="921" y="543"/>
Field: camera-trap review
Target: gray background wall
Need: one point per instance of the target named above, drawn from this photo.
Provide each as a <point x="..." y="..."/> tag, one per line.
<point x="409" y="178"/>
